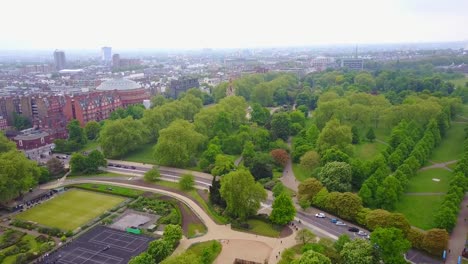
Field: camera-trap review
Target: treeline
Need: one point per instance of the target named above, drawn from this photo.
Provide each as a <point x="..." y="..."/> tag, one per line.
<point x="447" y="215"/>
<point x="349" y="206"/>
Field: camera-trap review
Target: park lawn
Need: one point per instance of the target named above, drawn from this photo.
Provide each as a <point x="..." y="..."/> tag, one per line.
<point x="420" y="209"/>
<point x="422" y="181"/>
<point x="71" y="209"/>
<point x="459" y="82"/>
<point x="452" y="166"/>
<point x="300" y="173"/>
<point x="91" y="145"/>
<point x="451" y="146"/>
<point x="262" y="227"/>
<point x="214" y="246"/>
<point x="196" y="229"/>
<point x="367" y="150"/>
<point x="382" y="133"/>
<point x="110" y="189"/>
<point x="142" y="155"/>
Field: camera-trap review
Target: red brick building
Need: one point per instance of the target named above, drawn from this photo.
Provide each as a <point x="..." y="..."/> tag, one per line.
<point x="129" y="91"/>
<point x="36" y="138"/>
<point x="91" y="106"/>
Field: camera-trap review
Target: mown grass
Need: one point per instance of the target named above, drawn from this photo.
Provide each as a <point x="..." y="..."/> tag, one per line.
<point x="422" y="181"/>
<point x="142" y="155"/>
<point x="367" y="150"/>
<point x="212" y="246"/>
<point x="420" y="210"/>
<point x="102" y="174"/>
<point x="71" y="209"/>
<point x="451" y="146"/>
<point x="110" y="189"/>
<point x="300" y="173"/>
<point x="261" y="227"/>
<point x="196" y="229"/>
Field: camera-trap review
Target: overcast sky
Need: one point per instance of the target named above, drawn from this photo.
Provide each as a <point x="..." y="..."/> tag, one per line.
<point x="132" y="24"/>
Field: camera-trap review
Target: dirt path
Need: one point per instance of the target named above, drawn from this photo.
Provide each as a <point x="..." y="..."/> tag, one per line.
<point x="288" y="178"/>
<point x="458" y="237"/>
<point x="238" y="161"/>
<point x="441" y="165"/>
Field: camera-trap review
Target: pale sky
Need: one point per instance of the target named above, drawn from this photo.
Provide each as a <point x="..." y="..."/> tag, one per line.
<point x="133" y="24"/>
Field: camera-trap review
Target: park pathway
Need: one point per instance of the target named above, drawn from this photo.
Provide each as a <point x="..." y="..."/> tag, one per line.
<point x="458" y="236"/>
<point x="288" y="178"/>
<point x="441" y="165"/>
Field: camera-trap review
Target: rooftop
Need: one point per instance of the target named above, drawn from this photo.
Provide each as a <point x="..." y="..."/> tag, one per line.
<point x="118" y="84"/>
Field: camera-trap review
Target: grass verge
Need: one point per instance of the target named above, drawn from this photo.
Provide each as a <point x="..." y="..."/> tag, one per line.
<point x="261" y="227"/>
<point x="212" y="246"/>
<point x="451" y="147"/>
<point x="420" y="210"/>
<point x="110" y="189"/>
<point x="300" y="173"/>
<point x="368" y="151"/>
<point x="142" y="155"/>
<point x="422" y="181"/>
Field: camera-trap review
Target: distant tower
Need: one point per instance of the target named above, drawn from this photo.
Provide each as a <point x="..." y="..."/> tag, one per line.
<point x="106" y="54"/>
<point x="116" y="61"/>
<point x="355" y="52"/>
<point x="230" y="91"/>
<point x="59" y="59"/>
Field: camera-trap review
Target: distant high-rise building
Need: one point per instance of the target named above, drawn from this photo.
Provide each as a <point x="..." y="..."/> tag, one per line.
<point x="106" y="54"/>
<point x="352" y="64"/>
<point x="116" y="61"/>
<point x="59" y="59"/>
<point x="177" y="87"/>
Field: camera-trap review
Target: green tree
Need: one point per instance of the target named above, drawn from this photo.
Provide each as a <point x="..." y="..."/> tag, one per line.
<point x="152" y="175"/>
<point x="241" y="193"/>
<point x="122" y="136"/>
<point x="341" y="242"/>
<point x="305" y="236"/>
<point x="260" y="115"/>
<point x="76" y="133"/>
<point x="222" y="165"/>
<point x="177" y="144"/>
<point x="185" y="258"/>
<point x="215" y="195"/>
<point x="335" y="135"/>
<point x="370" y="135"/>
<point x="280" y="156"/>
<point x="94" y="160"/>
<point x="248" y="153"/>
<point x="20" y="122"/>
<point x="280" y="125"/>
<point x="312" y="257"/>
<point x="5" y="144"/>
<point x="435" y="241"/>
<point x="172" y="234"/>
<point x="358" y="251"/>
<point x="262" y="166"/>
<point x="309" y="188"/>
<point x="355" y="132"/>
<point x="283" y="210"/>
<point x="186" y="182"/>
<point x="92" y="129"/>
<point x="336" y="176"/>
<point x="391" y="244"/>
<point x="310" y="160"/>
<point x="143" y="258"/>
<point x="78" y="163"/>
<point x="160" y="249"/>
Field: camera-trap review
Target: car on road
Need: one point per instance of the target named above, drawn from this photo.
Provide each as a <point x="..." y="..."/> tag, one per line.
<point x="110" y="164"/>
<point x="362" y="233"/>
<point x="118" y="165"/>
<point x="334" y="220"/>
<point x="353" y="229"/>
<point x="339" y="223"/>
<point x="132" y="167"/>
<point x="320" y="215"/>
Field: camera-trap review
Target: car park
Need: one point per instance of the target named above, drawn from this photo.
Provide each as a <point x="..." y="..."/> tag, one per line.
<point x="353" y="229"/>
<point x="339" y="223"/>
<point x="320" y="215"/>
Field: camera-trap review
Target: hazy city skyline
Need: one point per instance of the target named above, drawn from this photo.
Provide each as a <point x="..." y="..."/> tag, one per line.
<point x="88" y="24"/>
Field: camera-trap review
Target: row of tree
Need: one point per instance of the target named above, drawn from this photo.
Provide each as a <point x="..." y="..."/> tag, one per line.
<point x="87" y="164"/>
<point x="447" y="215"/>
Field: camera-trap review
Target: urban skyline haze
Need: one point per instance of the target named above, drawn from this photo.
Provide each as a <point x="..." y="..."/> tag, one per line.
<point x="179" y="24"/>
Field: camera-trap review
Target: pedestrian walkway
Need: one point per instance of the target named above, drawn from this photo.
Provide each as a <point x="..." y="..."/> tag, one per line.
<point x="441" y="165"/>
<point x="288" y="178"/>
<point x="458" y="236"/>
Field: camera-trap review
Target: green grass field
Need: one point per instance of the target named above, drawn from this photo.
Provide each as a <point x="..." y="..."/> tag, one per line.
<point x="71" y="209"/>
<point x="143" y="155"/>
<point x="460" y="81"/>
<point x="212" y="246"/>
<point x="300" y="173"/>
<point x="420" y="210"/>
<point x="110" y="189"/>
<point x="422" y="181"/>
<point x="367" y="150"/>
<point x="451" y="146"/>
<point x="262" y="228"/>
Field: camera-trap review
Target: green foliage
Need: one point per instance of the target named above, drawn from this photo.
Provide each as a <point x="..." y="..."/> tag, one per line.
<point x="261" y="166"/>
<point x="184" y="258"/>
<point x="241" y="193"/>
<point x="283" y="210"/>
<point x="177" y="144"/>
<point x="305" y="236"/>
<point x="278" y="189"/>
<point x="358" y="251"/>
<point x="187" y="182"/>
<point x="20" y="122"/>
<point x="55" y="167"/>
<point x="172" y="234"/>
<point x="160" y="249"/>
<point x="335" y="135"/>
<point x="152" y="175"/>
<point x="391" y="244"/>
<point x="312" y="257"/>
<point x="92" y="129"/>
<point x="87" y="164"/>
<point x="207" y="251"/>
<point x="143" y="258"/>
<point x="280" y="125"/>
<point x="280" y="156"/>
<point x="260" y="115"/>
<point x="341" y="242"/>
<point x="308" y="189"/>
<point x="310" y="160"/>
<point x="76" y="133"/>
<point x="121" y="136"/>
<point x="222" y="165"/>
<point x="336" y="176"/>
<point x="215" y="195"/>
<point x="435" y="241"/>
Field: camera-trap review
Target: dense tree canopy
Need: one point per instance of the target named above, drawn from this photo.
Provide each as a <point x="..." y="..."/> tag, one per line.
<point x="121" y="136"/>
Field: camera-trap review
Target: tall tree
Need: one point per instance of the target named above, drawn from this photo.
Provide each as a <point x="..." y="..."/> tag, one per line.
<point x="280" y="125"/>
<point x="55" y="167"/>
<point x="143" y="258"/>
<point x="283" y="209"/>
<point x="241" y="193"/>
<point x="215" y="195"/>
<point x="358" y="251"/>
<point x="122" y="136"/>
<point x="186" y="182"/>
<point x="92" y="129"/>
<point x="160" y="249"/>
<point x="76" y="133"/>
<point x="336" y="176"/>
<point x="335" y="135"/>
<point x="172" y="234"/>
<point x="222" y="165"/>
<point x="305" y="236"/>
<point x="312" y="257"/>
<point x="177" y="144"/>
<point x="309" y="188"/>
<point x="391" y="244"/>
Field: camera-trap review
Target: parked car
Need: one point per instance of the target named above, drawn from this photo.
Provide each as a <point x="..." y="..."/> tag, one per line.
<point x="362" y="233"/>
<point x="339" y="223"/>
<point x="320" y="215"/>
<point x="334" y="220"/>
<point x="353" y="229"/>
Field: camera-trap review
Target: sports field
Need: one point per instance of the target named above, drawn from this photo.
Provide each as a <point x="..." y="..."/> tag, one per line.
<point x="71" y="209"/>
